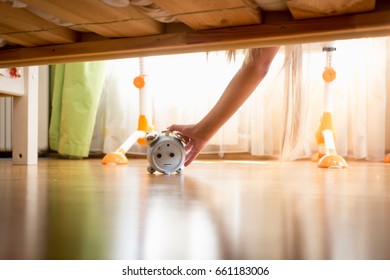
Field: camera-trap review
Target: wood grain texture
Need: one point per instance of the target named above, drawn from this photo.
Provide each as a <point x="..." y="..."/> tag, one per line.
<point x="100" y="18"/>
<point x="69" y="209"/>
<point x="301" y="9"/>
<point x="282" y="31"/>
<point x="206" y="14"/>
<point x="22" y="27"/>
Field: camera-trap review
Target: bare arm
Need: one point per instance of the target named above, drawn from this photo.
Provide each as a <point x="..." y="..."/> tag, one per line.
<point x="248" y="77"/>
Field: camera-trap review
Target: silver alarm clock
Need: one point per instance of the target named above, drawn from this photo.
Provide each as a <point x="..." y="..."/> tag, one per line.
<point x="165" y="152"/>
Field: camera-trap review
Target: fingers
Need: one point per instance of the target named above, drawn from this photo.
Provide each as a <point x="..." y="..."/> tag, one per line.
<point x="175" y="127"/>
<point x="191" y="145"/>
<point x="192" y="154"/>
<point x="190" y="157"/>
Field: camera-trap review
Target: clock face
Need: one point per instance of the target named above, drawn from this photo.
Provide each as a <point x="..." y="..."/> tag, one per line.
<point x="167" y="155"/>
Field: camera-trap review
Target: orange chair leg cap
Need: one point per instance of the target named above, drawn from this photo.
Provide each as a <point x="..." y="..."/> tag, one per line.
<point x="387" y="158"/>
<point x="332" y="161"/>
<point x="115" y="158"/>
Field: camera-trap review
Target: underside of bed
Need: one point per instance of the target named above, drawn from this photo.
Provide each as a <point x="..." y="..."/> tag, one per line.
<point x="35" y="32"/>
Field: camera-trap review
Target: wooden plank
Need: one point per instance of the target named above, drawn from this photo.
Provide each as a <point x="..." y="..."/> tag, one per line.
<point x="300" y="10"/>
<point x="267" y="34"/>
<point x="24" y="28"/>
<point x="207" y="14"/>
<point x="100" y="18"/>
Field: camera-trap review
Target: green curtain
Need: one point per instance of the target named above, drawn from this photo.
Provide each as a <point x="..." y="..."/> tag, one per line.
<point x="76" y="90"/>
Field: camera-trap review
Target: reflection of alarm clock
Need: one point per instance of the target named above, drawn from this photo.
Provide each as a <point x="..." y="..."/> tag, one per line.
<point x="165" y="152"/>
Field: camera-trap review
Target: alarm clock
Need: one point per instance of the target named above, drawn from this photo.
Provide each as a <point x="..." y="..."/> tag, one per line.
<point x="165" y="152"/>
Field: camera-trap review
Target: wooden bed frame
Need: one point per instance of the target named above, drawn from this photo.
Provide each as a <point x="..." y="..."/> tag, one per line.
<point x="114" y="32"/>
<point x="206" y="26"/>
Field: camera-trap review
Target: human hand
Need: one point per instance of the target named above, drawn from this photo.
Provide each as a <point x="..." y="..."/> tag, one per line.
<point x="194" y="140"/>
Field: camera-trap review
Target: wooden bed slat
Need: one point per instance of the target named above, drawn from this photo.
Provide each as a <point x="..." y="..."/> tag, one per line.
<point x="277" y="29"/>
<point x="267" y="34"/>
<point x="24" y="28"/>
<point x="207" y="14"/>
<point x="100" y="18"/>
<point x="301" y="12"/>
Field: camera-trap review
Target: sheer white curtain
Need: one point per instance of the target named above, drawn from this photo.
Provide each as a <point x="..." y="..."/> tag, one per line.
<point x="186" y="86"/>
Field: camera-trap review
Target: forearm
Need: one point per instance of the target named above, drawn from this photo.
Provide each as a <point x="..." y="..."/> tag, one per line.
<point x="236" y="93"/>
<point x="234" y="96"/>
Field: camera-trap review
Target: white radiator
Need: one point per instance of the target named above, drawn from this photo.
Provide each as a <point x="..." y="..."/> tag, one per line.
<point x="5" y="124"/>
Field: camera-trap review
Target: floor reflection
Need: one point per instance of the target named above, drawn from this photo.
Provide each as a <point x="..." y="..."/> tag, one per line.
<point x="224" y="210"/>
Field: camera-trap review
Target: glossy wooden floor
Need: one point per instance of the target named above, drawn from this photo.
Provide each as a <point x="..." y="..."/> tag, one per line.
<point x="80" y="209"/>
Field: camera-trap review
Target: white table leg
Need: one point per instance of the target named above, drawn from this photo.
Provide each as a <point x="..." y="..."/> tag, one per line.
<point x="25" y="120"/>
